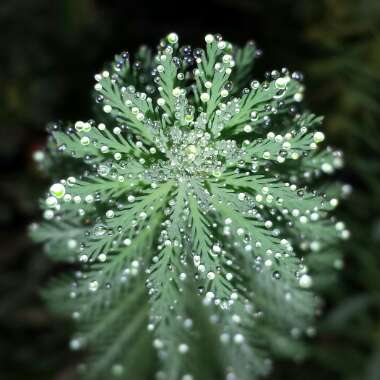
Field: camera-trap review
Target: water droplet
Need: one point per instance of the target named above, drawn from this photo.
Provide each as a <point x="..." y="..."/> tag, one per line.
<point x="93" y="286"/>
<point x="100" y="230"/>
<point x="57" y="190"/>
<point x="305" y="281"/>
<point x="117" y="370"/>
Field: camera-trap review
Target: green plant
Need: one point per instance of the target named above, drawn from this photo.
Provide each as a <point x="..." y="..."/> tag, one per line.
<point x="187" y="212"/>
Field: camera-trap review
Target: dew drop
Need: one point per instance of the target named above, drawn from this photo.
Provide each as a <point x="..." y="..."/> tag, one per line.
<point x="93" y="286"/>
<point x="58" y="190"/>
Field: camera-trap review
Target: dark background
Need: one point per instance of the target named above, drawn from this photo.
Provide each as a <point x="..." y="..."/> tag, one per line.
<point x="49" y="52"/>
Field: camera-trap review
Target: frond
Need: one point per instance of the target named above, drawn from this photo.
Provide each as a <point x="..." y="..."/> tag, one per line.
<point x="167" y="73"/>
<point x="257" y="103"/>
<point x="292" y="143"/>
<point x="244" y="59"/>
<point x="95" y="144"/>
<point x="209" y="258"/>
<point x="126" y="106"/>
<point x="281" y="195"/>
<point x="61" y="238"/>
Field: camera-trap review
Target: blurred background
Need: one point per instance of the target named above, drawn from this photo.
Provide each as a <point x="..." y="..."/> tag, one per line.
<point x="50" y="51"/>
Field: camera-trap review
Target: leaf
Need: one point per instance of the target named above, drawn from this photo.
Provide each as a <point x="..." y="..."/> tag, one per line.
<point x="283" y="195"/>
<point x="167" y="74"/>
<point x="95" y="143"/>
<point x="244" y="58"/>
<point x="128" y="106"/>
<point x="291" y="144"/>
<point x="214" y="262"/>
<point x="259" y="100"/>
<point x="61" y="239"/>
